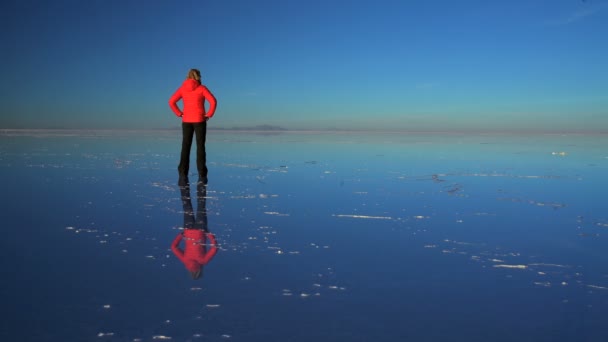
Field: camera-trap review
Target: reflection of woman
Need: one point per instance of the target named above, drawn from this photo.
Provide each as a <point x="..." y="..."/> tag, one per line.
<point x="194" y="120"/>
<point x="195" y="234"/>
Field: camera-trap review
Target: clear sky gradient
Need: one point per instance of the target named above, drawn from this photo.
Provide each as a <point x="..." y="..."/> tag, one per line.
<point x="437" y="65"/>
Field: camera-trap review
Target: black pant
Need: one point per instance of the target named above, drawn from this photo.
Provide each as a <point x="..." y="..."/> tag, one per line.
<point x="192" y="221"/>
<point x="188" y="131"/>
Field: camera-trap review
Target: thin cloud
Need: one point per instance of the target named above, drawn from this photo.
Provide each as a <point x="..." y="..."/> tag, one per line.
<point x="580" y="14"/>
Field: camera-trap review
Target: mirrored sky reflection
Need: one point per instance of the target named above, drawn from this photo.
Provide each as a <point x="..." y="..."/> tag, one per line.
<point x="325" y="237"/>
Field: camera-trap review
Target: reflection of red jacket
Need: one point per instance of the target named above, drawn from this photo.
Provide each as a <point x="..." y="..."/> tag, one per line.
<point x="194" y="254"/>
<point x="193" y="95"/>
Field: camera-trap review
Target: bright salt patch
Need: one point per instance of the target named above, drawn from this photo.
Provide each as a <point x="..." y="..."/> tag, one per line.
<point x="275" y="213"/>
<point x="549" y="265"/>
<point x="365" y="217"/>
<point x="544" y="284"/>
<point x="521" y="267"/>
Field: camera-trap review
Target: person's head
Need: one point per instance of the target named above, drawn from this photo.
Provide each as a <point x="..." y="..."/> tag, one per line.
<point x="194" y="74"/>
<point x="195" y="269"/>
<point x="197" y="274"/>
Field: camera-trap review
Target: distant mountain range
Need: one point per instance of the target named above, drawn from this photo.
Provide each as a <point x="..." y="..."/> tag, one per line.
<point x="251" y="128"/>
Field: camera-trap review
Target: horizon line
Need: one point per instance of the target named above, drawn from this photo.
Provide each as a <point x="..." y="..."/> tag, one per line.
<point x="8" y="131"/>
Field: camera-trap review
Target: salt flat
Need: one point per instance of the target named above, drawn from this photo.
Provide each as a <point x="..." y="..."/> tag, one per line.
<point x="325" y="236"/>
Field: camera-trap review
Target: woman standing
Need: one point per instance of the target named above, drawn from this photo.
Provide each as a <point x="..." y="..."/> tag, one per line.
<point x="194" y="121"/>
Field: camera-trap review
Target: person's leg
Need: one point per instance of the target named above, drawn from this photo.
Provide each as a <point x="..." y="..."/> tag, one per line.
<point x="189" y="222"/>
<point x="201" y="208"/>
<point x="184" y="161"/>
<point x="201" y="155"/>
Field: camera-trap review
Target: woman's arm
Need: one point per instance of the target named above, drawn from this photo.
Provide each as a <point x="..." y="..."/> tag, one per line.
<point x="212" y="102"/>
<point x="173" y="103"/>
<point x="212" y="251"/>
<point x="211" y="238"/>
<point x="175" y="247"/>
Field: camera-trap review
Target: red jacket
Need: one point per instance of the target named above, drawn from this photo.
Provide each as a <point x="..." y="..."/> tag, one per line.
<point x="193" y="95"/>
<point x="194" y="254"/>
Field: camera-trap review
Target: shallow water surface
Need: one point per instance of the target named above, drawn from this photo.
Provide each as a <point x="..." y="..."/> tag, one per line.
<point x="331" y="237"/>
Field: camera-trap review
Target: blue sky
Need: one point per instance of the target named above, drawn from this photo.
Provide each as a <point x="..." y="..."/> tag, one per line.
<point x="407" y="65"/>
